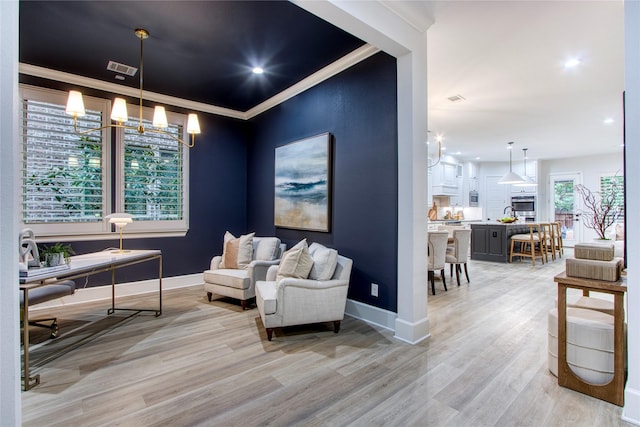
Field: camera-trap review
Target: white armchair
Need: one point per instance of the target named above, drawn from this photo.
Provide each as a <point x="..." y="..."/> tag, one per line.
<point x="239" y="283"/>
<point x="294" y="301"/>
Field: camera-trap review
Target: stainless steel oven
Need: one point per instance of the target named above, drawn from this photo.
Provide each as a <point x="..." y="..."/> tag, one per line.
<point x="473" y="199"/>
<point x="524" y="207"/>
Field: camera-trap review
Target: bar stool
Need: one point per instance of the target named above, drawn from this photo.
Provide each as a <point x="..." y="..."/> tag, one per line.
<point x="550" y="240"/>
<point x="531" y="245"/>
<point x="557" y="230"/>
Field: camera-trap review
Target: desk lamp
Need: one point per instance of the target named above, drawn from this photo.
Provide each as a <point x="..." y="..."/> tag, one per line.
<point x="120" y="220"/>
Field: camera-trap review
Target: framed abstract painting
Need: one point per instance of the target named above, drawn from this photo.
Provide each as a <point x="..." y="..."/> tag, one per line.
<point x="302" y="187"/>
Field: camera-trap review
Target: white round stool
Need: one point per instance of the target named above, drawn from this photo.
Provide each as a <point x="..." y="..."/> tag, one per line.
<point x="589" y="344"/>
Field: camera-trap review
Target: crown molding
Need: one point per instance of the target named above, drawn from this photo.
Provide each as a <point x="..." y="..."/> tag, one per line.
<point x="61" y="76"/>
<point x="331" y="70"/>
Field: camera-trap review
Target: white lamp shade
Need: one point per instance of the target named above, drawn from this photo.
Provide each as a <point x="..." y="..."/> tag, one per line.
<point x="75" y="104"/>
<point x="528" y="182"/>
<point x="119" y="110"/>
<point x="193" y="126"/>
<point x="160" y="117"/>
<point x="511" y="178"/>
<point x="120" y="219"/>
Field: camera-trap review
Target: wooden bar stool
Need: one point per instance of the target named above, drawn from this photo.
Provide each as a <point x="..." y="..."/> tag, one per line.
<point x="531" y="245"/>
<point x="550" y="240"/>
<point x="557" y="230"/>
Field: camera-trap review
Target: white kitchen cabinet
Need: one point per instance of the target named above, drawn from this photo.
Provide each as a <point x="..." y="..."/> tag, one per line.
<point x="445" y="179"/>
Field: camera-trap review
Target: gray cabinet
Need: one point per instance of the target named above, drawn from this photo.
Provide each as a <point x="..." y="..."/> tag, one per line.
<point x="490" y="242"/>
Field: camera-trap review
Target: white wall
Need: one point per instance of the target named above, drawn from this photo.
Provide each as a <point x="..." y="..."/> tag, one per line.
<point x="591" y="167"/>
<point x="10" y="399"/>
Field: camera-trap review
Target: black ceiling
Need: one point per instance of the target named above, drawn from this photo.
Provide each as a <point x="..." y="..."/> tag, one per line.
<point x="197" y="50"/>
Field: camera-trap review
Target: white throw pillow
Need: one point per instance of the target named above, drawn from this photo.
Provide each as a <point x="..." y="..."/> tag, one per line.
<point x="325" y="261"/>
<point x="296" y="262"/>
<point x="237" y="252"/>
<point x="267" y="248"/>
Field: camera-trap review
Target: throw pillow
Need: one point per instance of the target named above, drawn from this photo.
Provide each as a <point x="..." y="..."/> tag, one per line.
<point x="237" y="251"/>
<point x="325" y="261"/>
<point x="296" y="262"/>
<point x="267" y="248"/>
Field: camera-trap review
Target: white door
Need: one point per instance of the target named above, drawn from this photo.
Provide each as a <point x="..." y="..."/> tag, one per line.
<point x="565" y="205"/>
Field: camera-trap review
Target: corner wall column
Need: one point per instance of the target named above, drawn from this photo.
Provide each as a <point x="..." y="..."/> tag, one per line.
<point x="631" y="412"/>
<point x="412" y="323"/>
<point x="10" y="397"/>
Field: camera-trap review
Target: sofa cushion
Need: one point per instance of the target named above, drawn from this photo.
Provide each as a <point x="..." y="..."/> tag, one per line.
<point x="237" y="252"/>
<point x="324" y="262"/>
<point x="233" y="278"/>
<point x="267" y="248"/>
<point x="296" y="262"/>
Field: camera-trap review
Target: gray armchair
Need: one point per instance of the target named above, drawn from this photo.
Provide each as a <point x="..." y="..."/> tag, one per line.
<point x="240" y="283"/>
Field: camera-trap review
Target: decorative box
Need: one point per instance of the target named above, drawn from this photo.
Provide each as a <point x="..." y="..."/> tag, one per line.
<point x="603" y="251"/>
<point x="595" y="269"/>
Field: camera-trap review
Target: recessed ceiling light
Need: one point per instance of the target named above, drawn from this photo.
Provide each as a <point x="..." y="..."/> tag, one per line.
<point x="257" y="70"/>
<point x="477" y="158"/>
<point x="570" y="63"/>
<point x="608" y="121"/>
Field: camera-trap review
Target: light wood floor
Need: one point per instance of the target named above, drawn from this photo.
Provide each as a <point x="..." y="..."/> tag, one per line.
<point x="210" y="364"/>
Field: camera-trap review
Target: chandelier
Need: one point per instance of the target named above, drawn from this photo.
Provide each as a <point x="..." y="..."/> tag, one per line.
<point x="75" y="107"/>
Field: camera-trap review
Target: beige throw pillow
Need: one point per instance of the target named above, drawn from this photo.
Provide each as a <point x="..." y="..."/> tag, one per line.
<point x="237" y="251"/>
<point x="296" y="262"/>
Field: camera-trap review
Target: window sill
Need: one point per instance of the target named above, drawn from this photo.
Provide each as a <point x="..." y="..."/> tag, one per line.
<point x="111" y="236"/>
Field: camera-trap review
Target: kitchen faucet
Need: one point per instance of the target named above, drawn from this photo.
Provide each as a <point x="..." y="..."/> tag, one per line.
<point x="513" y="212"/>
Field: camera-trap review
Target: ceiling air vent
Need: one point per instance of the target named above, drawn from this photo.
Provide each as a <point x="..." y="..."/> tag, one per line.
<point x="456" y="98"/>
<point x="122" y="68"/>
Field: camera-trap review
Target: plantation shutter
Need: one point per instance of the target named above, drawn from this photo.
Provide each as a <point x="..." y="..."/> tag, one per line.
<point x="62" y="172"/>
<point x="153" y="174"/>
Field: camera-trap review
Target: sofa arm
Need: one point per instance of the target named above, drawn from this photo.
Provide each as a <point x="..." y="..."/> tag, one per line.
<point x="258" y="269"/>
<point x="215" y="262"/>
<point x="272" y="272"/>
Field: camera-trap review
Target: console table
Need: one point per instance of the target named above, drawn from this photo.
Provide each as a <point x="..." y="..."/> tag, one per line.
<point x="83" y="266"/>
<point x="613" y="391"/>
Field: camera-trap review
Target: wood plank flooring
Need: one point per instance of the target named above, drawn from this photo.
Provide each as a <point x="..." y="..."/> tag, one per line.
<point x="210" y="364"/>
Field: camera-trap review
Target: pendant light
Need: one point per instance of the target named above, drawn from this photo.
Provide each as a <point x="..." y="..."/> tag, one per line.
<point x="528" y="181"/>
<point x="511" y="177"/>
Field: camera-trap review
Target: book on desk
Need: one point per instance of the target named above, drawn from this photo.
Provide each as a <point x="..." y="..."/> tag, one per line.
<point x="35" y="272"/>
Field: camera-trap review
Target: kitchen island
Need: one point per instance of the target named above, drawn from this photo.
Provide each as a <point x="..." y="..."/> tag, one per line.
<point x="490" y="240"/>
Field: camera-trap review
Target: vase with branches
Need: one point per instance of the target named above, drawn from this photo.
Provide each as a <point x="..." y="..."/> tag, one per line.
<point x="601" y="208"/>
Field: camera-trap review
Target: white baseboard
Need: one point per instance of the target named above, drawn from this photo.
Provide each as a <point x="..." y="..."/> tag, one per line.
<point x="370" y="314"/>
<point x="631" y="411"/>
<point x="122" y="289"/>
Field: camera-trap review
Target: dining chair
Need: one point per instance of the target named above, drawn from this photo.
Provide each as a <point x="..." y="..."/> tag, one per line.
<point x="458" y="252"/>
<point x="436" y="256"/>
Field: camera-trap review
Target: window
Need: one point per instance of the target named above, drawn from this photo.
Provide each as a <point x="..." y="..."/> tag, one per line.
<point x="66" y="177"/>
<point x="612" y="191"/>
<point x="152" y="178"/>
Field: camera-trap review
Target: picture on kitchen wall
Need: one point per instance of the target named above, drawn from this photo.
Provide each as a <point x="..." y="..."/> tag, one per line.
<point x="302" y="197"/>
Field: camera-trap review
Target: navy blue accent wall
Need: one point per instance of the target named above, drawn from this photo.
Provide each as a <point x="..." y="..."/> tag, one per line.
<point x="359" y="108"/>
<point x="217" y="200"/>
